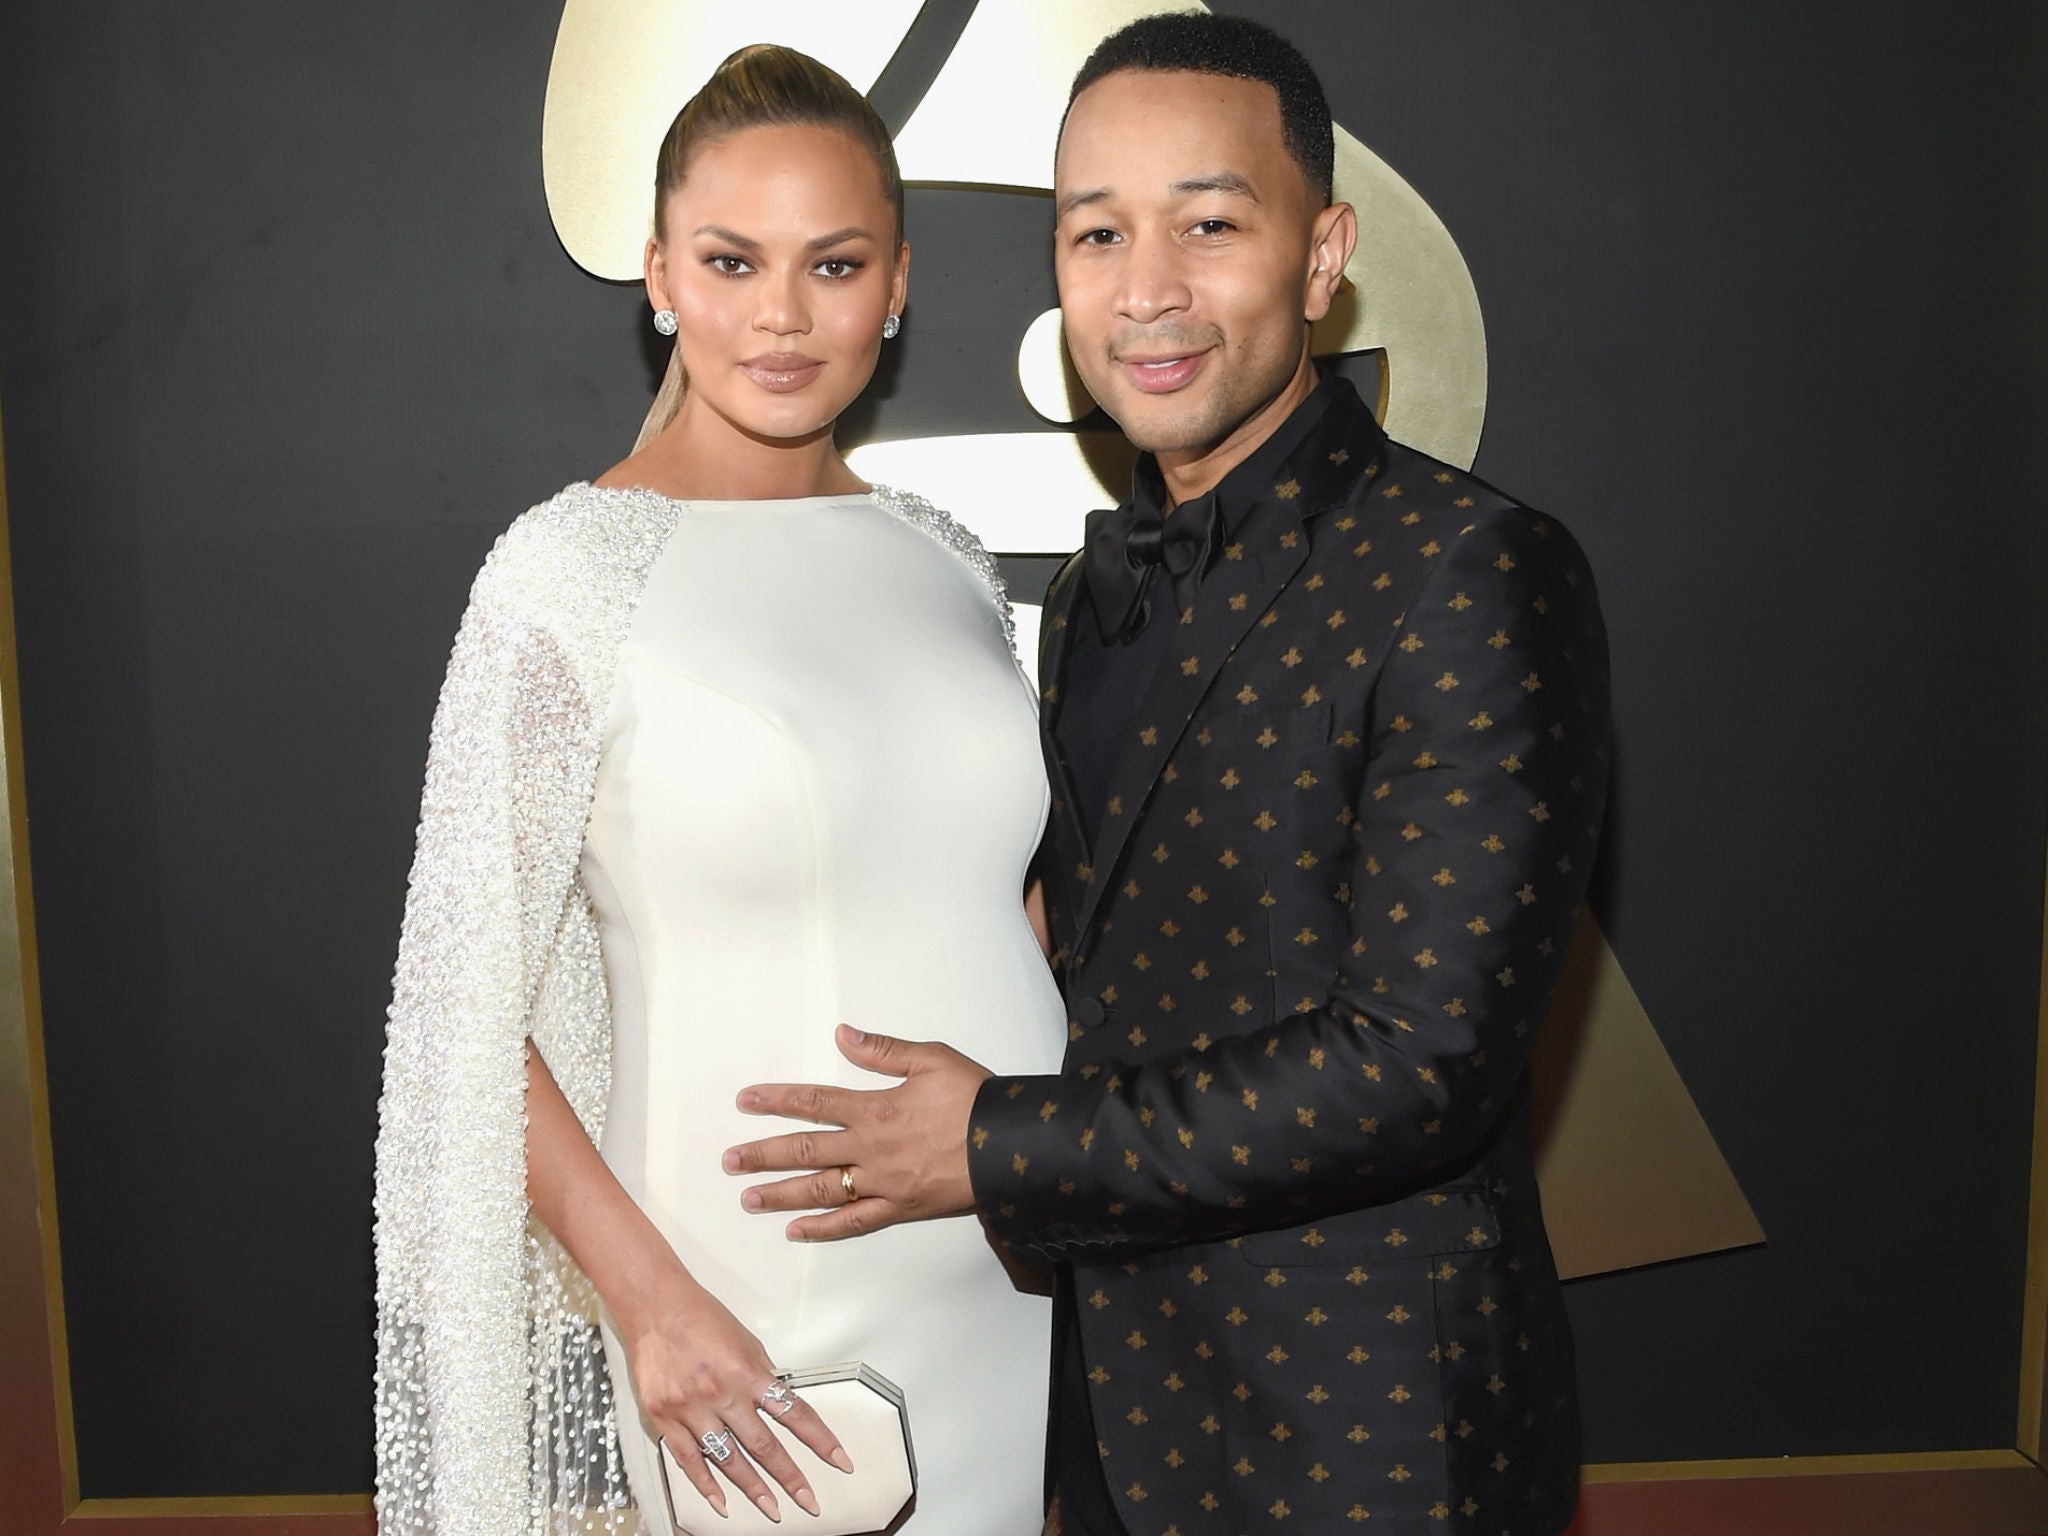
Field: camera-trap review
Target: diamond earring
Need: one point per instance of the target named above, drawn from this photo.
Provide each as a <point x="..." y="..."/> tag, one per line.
<point x="891" y="326"/>
<point x="665" y="321"/>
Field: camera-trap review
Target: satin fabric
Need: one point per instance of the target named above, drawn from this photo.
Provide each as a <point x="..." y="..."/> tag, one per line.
<point x="818" y="791"/>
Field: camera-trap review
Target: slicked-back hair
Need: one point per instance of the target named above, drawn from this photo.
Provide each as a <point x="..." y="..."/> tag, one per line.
<point x="1237" y="48"/>
<point x="766" y="85"/>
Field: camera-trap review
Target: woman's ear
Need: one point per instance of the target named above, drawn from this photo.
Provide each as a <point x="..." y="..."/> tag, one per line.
<point x="654" y="266"/>
<point x="1332" y="239"/>
<point x="899" y="286"/>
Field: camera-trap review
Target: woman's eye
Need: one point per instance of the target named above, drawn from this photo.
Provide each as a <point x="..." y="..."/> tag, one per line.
<point x="838" y="266"/>
<point x="729" y="266"/>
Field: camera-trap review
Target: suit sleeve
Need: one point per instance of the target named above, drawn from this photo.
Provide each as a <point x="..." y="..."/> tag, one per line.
<point x="1474" y="831"/>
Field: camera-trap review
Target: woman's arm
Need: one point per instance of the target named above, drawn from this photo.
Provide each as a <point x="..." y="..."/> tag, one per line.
<point x="1034" y="909"/>
<point x="696" y="1368"/>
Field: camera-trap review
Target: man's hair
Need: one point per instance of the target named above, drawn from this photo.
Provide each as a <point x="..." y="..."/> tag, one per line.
<point x="1240" y="49"/>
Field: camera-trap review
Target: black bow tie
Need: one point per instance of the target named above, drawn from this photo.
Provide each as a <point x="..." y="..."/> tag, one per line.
<point x="1125" y="545"/>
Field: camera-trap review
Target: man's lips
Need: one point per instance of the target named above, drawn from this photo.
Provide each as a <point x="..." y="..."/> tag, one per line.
<point x="782" y="372"/>
<point x="1162" y="373"/>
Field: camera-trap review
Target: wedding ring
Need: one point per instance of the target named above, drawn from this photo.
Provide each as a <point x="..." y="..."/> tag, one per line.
<point x="777" y="1399"/>
<point x="846" y="1183"/>
<point x="716" y="1444"/>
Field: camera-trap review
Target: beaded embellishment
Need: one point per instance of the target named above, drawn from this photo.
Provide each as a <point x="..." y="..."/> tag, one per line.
<point x="494" y="1408"/>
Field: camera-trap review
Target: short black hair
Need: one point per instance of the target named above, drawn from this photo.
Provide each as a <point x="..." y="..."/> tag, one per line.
<point x="1240" y="49"/>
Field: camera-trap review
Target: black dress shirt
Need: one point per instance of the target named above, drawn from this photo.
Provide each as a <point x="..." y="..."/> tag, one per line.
<point x="1106" y="680"/>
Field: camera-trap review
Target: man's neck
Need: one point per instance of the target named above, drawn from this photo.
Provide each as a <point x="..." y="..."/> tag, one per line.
<point x="1191" y="472"/>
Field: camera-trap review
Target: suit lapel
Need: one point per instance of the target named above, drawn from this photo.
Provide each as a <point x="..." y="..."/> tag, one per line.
<point x="1256" y="566"/>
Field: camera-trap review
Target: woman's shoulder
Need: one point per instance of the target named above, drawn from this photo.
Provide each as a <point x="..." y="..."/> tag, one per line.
<point x="583" y="534"/>
<point x="956" y="536"/>
<point x="941" y="525"/>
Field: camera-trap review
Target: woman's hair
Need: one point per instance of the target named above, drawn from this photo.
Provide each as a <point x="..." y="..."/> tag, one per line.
<point x="762" y="85"/>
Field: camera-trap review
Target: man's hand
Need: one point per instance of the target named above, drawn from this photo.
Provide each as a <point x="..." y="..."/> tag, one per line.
<point x="902" y="1152"/>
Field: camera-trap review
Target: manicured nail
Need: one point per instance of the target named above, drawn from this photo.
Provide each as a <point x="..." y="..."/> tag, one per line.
<point x="751" y="1199"/>
<point x="840" y="1459"/>
<point x="767" y="1503"/>
<point x="809" y="1500"/>
<point x="718" y="1503"/>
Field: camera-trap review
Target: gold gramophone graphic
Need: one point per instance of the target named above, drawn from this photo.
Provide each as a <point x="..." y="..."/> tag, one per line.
<point x="1629" y="1170"/>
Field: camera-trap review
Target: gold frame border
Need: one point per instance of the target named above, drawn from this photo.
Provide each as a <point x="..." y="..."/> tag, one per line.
<point x="2032" y="1434"/>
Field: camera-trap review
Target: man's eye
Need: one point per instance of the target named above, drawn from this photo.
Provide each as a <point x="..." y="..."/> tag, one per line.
<point x="1097" y="237"/>
<point x="1214" y="227"/>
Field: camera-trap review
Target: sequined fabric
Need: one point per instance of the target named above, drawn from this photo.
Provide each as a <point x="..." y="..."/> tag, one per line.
<point x="493" y="1404"/>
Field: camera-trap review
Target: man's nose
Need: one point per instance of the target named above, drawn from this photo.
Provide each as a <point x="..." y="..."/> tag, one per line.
<point x="1154" y="280"/>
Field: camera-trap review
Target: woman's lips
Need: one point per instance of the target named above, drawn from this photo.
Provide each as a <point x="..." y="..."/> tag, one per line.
<point x="1162" y="375"/>
<point x="782" y="372"/>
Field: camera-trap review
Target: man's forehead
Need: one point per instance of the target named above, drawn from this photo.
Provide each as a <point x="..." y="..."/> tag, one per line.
<point x="1168" y="133"/>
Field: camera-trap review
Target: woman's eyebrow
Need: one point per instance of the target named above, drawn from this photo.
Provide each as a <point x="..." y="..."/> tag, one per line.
<point x="729" y="236"/>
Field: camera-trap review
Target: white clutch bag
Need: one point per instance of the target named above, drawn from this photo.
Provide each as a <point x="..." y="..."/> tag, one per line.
<point x="866" y="1410"/>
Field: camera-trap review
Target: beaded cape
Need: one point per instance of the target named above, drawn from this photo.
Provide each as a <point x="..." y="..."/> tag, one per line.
<point x="494" y="1410"/>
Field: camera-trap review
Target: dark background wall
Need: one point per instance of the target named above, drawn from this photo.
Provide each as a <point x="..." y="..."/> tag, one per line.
<point x="286" y="338"/>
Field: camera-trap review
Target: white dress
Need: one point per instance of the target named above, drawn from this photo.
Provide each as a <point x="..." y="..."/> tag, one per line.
<point x="818" y="789"/>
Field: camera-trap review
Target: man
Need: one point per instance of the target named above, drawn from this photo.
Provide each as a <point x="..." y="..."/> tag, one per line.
<point x="1327" y="724"/>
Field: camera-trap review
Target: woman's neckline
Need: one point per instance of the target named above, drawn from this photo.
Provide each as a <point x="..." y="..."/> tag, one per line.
<point x="648" y="492"/>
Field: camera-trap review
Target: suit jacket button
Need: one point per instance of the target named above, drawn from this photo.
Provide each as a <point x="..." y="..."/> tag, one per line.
<point x="1089" y="1012"/>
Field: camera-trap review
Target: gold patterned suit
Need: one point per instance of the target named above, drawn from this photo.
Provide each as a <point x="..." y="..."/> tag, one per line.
<point x="1288" y="1155"/>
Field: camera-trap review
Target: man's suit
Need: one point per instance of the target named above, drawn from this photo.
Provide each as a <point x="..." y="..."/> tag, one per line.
<point x="1288" y="1156"/>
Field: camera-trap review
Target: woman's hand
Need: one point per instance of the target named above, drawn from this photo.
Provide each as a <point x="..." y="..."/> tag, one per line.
<point x="698" y="1371"/>
<point x="695" y="1369"/>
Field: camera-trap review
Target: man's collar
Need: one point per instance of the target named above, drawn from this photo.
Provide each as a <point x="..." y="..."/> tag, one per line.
<point x="1332" y="401"/>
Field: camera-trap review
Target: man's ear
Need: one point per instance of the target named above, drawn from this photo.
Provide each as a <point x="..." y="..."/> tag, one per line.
<point x="1332" y="239"/>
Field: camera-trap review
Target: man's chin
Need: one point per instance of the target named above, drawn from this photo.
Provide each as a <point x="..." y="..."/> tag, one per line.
<point x="1157" y="425"/>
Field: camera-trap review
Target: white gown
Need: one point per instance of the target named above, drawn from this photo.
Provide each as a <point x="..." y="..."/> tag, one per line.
<point x="819" y="787"/>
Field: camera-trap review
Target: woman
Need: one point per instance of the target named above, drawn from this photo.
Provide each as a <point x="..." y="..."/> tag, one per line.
<point x="731" y="748"/>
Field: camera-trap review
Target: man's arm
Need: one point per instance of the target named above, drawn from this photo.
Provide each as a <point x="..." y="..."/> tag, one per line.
<point x="1474" y="834"/>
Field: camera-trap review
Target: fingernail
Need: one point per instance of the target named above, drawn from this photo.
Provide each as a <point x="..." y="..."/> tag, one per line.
<point x="751" y="1200"/>
<point x="840" y="1459"/>
<point x="795" y="1235"/>
<point x="853" y="1036"/>
<point x="717" y="1502"/>
<point x="767" y="1503"/>
<point x="809" y="1500"/>
<point x="730" y="1162"/>
<point x="750" y="1100"/>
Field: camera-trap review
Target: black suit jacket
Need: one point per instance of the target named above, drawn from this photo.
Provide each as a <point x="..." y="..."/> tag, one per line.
<point x="1288" y="1155"/>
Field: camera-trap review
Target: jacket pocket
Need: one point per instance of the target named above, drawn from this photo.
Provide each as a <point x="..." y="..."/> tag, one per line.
<point x="1458" y="1218"/>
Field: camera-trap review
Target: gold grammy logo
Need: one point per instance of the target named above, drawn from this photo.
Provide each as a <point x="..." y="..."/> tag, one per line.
<point x="990" y="119"/>
<point x="1630" y="1172"/>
